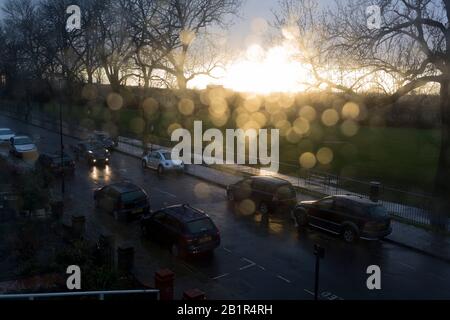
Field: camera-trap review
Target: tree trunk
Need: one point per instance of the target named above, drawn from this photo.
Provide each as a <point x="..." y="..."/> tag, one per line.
<point x="442" y="180"/>
<point x="181" y="81"/>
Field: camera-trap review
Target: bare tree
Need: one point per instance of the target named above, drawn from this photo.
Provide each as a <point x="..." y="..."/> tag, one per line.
<point x="411" y="47"/>
<point x="178" y="24"/>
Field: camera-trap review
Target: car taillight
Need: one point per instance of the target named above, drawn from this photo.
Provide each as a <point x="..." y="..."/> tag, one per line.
<point x="187" y="239"/>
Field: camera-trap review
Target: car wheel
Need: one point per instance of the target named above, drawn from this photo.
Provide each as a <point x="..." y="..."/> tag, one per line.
<point x="301" y="218"/>
<point x="349" y="234"/>
<point x="263" y="208"/>
<point x="144" y="164"/>
<point x="160" y="170"/>
<point x="230" y="195"/>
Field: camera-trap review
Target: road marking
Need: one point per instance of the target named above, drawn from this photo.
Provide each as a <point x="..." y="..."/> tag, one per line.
<point x="249" y="265"/>
<point x="262" y="268"/>
<point x="311" y="293"/>
<point x="168" y="193"/>
<point x="407" y="265"/>
<point x="283" y="278"/>
<point x="227" y="250"/>
<point x="221" y="276"/>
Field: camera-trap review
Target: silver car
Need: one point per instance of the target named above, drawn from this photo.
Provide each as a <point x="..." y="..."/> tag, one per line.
<point x="162" y="161"/>
<point x="5" y="135"/>
<point x="21" y="145"/>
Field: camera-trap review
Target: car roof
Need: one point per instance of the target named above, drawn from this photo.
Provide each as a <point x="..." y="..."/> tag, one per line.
<point x="270" y="180"/>
<point x="123" y="187"/>
<point x="185" y="212"/>
<point x="21" y="136"/>
<point x="357" y="199"/>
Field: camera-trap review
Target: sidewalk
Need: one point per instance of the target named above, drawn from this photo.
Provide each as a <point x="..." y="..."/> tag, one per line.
<point x="418" y="239"/>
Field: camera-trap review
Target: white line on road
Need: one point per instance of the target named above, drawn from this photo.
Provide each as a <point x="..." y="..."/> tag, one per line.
<point x="407" y="265"/>
<point x="168" y="193"/>
<point x="283" y="278"/>
<point x="262" y="268"/>
<point x="221" y="276"/>
<point x="307" y="291"/>
<point x="250" y="264"/>
<point x="227" y="250"/>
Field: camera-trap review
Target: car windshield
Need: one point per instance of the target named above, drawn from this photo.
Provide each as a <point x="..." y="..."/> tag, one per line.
<point x="378" y="211"/>
<point x="5" y="132"/>
<point x="286" y="192"/>
<point x="22" y="141"/>
<point x="132" y="196"/>
<point x="200" y="225"/>
<point x="167" y="156"/>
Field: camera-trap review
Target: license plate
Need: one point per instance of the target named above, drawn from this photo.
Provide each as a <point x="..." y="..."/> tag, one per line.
<point x="204" y="239"/>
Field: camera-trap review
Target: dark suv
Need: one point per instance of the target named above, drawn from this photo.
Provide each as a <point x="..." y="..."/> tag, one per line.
<point x="52" y="163"/>
<point x="93" y="152"/>
<point x="122" y="199"/>
<point x="351" y="216"/>
<point x="184" y="229"/>
<point x="269" y="194"/>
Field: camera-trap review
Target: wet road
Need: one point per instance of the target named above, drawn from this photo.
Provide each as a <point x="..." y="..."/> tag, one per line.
<point x="257" y="260"/>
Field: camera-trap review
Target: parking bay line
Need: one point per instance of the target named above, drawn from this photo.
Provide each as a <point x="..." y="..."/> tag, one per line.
<point x="221" y="276"/>
<point x="249" y="265"/>
<point x="283" y="278"/>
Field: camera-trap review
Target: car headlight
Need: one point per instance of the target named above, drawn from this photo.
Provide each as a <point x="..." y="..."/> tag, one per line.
<point x="94" y="160"/>
<point x="90" y="152"/>
<point x="107" y="159"/>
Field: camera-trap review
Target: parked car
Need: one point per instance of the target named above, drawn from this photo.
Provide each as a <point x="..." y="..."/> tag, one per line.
<point x="269" y="194"/>
<point x="162" y="161"/>
<point x="351" y="216"/>
<point x="5" y="135"/>
<point x="52" y="162"/>
<point x="19" y="145"/>
<point x="94" y="153"/>
<point x="184" y="229"/>
<point x="123" y="200"/>
<point x="104" y="139"/>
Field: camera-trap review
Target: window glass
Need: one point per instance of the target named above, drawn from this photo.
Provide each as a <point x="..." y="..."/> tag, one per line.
<point x="378" y="211"/>
<point x="286" y="192"/>
<point x="200" y="225"/>
<point x="326" y="203"/>
<point x="132" y="196"/>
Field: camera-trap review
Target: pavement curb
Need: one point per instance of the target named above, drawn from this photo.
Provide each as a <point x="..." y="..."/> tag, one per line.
<point x="424" y="252"/>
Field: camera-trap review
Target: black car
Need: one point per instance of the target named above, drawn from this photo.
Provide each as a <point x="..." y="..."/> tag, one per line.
<point x="184" y="229"/>
<point x="104" y="139"/>
<point x="269" y="194"/>
<point x="52" y="162"/>
<point x="123" y="200"/>
<point x="351" y="216"/>
<point x="94" y="153"/>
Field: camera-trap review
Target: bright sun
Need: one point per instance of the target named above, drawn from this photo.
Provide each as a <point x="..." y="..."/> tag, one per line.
<point x="263" y="71"/>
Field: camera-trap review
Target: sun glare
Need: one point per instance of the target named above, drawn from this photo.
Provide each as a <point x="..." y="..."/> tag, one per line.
<point x="263" y="71"/>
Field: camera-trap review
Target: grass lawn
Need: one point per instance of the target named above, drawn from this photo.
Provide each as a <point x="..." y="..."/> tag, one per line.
<point x="399" y="157"/>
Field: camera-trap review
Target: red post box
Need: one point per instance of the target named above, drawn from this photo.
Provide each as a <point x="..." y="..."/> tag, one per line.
<point x="164" y="283"/>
